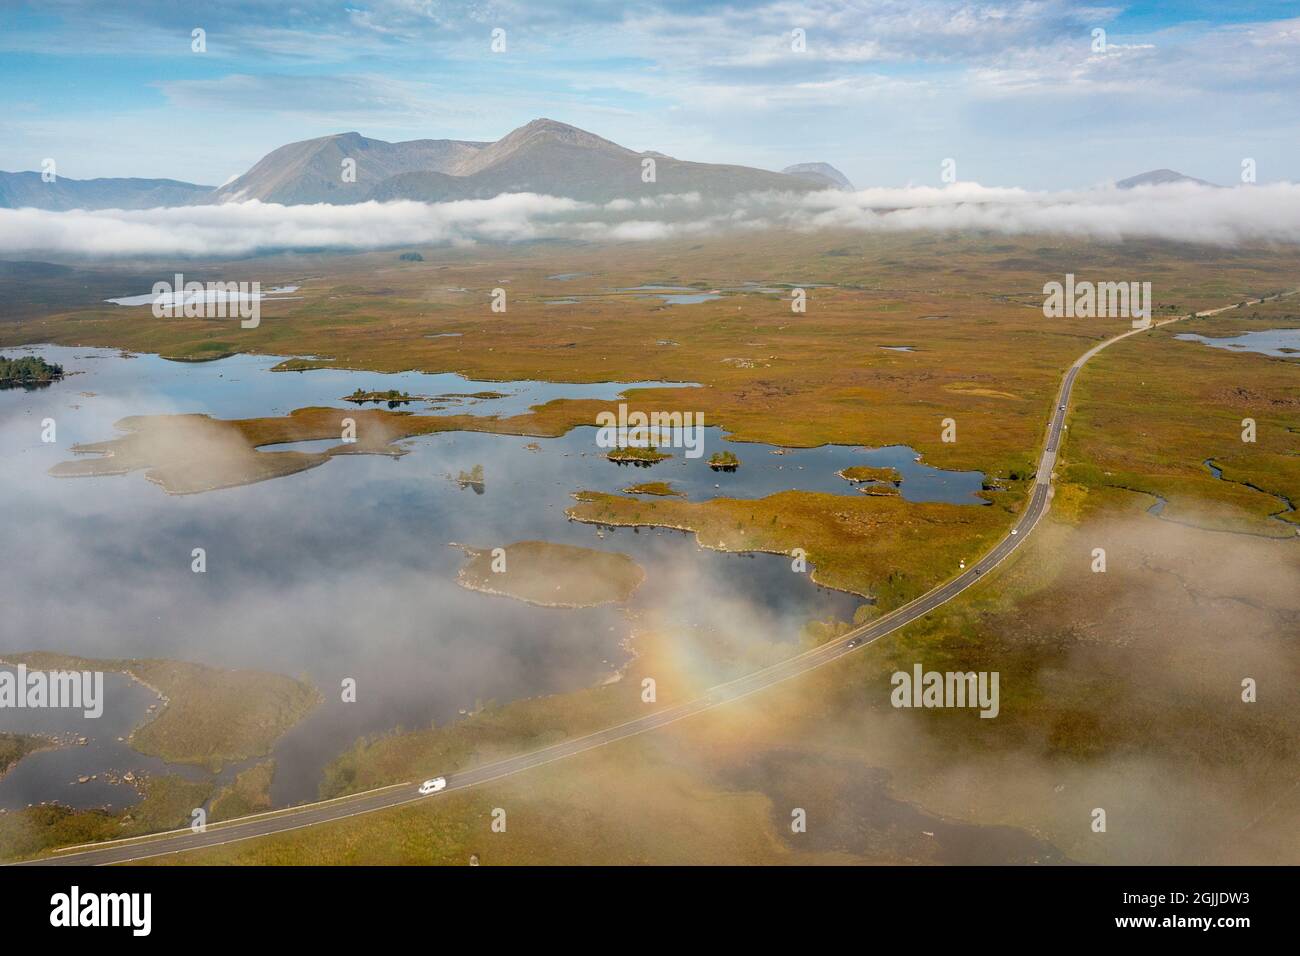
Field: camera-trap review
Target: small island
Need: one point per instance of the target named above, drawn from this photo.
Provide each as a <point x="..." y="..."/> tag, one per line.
<point x="661" y="488"/>
<point x="859" y="473"/>
<point x="872" y="481"/>
<point x="723" y="461"/>
<point x="478" y="396"/>
<point x="472" y="479"/>
<point x="640" y="457"/>
<point x="30" y="371"/>
<point x="392" y="396"/>
<point x="552" y="575"/>
<point x="878" y="488"/>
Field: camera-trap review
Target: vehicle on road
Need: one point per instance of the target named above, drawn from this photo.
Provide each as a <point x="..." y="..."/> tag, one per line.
<point x="434" y="785"/>
<point x="1014" y="531"/>
<point x="853" y="643"/>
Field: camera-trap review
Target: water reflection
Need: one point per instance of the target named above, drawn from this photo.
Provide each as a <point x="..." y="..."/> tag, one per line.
<point x="1279" y="343"/>
<point x="346" y="571"/>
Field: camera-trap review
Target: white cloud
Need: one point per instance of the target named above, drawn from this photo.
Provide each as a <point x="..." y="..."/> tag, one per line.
<point x="247" y="227"/>
<point x="1245" y="214"/>
<point x="1183" y="211"/>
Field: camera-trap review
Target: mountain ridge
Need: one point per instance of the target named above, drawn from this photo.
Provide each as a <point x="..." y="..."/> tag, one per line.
<point x="543" y="156"/>
<point x="28" y="190"/>
<point x="313" y="170"/>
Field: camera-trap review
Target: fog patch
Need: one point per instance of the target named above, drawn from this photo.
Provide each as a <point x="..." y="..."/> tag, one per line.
<point x="1184" y="212"/>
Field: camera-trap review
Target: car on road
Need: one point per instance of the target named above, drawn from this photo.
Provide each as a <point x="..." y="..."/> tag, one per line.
<point x="853" y="643"/>
<point x="433" y="786"/>
<point x="1014" y="531"/>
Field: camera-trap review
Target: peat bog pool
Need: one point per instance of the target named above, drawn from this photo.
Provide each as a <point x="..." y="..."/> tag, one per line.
<point x="1277" y="343"/>
<point x="349" y="570"/>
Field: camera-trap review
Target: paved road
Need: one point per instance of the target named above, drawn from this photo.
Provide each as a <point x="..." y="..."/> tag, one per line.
<point x="294" y="818"/>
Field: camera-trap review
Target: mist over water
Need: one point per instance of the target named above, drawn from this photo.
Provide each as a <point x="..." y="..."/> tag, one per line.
<point x="85" y="748"/>
<point x="348" y="570"/>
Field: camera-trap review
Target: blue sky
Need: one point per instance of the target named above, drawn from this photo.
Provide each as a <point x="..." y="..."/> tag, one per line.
<point x="886" y="89"/>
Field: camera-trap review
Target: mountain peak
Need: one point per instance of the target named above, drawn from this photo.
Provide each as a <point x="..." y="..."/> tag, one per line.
<point x="1159" y="177"/>
<point x="544" y="142"/>
<point x="545" y="123"/>
<point x="311" y="170"/>
<point x="823" y="174"/>
<point x="543" y="156"/>
<point x="555" y="130"/>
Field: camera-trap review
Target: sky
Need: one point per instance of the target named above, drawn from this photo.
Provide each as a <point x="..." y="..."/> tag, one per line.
<point x="1016" y="93"/>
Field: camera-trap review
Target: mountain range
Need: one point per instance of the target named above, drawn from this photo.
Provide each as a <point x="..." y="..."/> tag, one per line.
<point x="544" y="156"/>
<point x="19" y="190"/>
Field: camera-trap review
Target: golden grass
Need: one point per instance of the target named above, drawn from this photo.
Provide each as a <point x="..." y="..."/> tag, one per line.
<point x="166" y="805"/>
<point x="249" y="793"/>
<point x="1119" y="689"/>
<point x="659" y="488"/>
<point x="880" y="547"/>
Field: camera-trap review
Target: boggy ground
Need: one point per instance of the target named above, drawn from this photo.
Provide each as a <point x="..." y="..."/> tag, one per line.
<point x="1121" y="690"/>
<point x="207" y="716"/>
<point x="1150" y="412"/>
<point x="970" y="306"/>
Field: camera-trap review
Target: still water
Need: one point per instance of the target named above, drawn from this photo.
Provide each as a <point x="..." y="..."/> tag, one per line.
<point x="349" y="570"/>
<point x="1279" y="343"/>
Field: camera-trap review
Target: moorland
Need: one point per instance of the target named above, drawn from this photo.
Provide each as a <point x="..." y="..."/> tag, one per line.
<point x="1121" y="689"/>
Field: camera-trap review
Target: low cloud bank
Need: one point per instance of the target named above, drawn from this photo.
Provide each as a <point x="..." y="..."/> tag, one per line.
<point x="1184" y="212"/>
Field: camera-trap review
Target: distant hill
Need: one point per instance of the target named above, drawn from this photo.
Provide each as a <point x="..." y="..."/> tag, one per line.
<point x="823" y="174"/>
<point x="32" y="289"/>
<point x="544" y="156"/>
<point x="19" y="190"/>
<point x="311" y="171"/>
<point x="1159" y="177"/>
